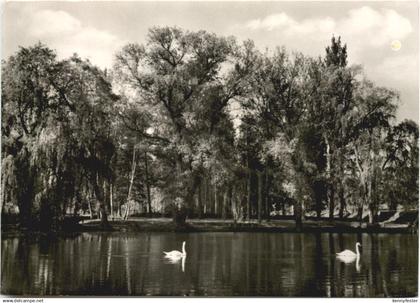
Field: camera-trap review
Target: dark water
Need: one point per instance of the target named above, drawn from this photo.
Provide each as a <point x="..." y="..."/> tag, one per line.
<point x="217" y="264"/>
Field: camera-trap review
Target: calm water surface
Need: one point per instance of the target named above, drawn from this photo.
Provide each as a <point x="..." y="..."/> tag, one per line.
<point x="217" y="264"/>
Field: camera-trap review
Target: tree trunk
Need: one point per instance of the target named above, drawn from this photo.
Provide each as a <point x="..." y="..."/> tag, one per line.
<point x="329" y="179"/>
<point x="234" y="206"/>
<point x="248" y="211"/>
<point x="216" y="202"/>
<point x="319" y="189"/>
<point x="341" y="196"/>
<point x="267" y="194"/>
<point x="180" y="215"/>
<point x="318" y="203"/>
<point x="27" y="210"/>
<point x="2" y="190"/>
<point x="77" y="203"/>
<point x="210" y="205"/>
<point x="149" y="200"/>
<point x="200" y="202"/>
<point x="260" y="185"/>
<point x="102" y="208"/>
<point x="205" y="196"/>
<point x="106" y="198"/>
<point x="298" y="210"/>
<point x="373" y="201"/>
<point x="360" y="212"/>
<point x="342" y="201"/>
<point x="111" y="199"/>
<point x="90" y="210"/>
<point x="133" y="171"/>
<point x="225" y="202"/>
<point x="196" y="205"/>
<point x="210" y="202"/>
<point x="331" y="198"/>
<point x="393" y="201"/>
<point x="364" y="184"/>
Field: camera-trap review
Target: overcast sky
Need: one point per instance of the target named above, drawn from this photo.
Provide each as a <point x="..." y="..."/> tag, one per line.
<point x="96" y="30"/>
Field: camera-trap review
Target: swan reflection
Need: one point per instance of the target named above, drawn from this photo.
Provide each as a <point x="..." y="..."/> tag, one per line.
<point x="176" y="260"/>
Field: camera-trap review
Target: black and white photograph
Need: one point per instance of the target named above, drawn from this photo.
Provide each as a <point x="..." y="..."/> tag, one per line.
<point x="209" y="149"/>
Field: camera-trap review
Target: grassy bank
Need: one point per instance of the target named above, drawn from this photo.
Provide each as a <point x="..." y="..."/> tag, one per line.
<point x="215" y="225"/>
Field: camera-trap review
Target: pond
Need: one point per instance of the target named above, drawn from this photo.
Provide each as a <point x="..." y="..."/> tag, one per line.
<point x="217" y="264"/>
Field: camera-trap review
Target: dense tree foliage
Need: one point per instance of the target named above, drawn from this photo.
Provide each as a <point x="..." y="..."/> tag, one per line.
<point x="191" y="124"/>
<point x="57" y="143"/>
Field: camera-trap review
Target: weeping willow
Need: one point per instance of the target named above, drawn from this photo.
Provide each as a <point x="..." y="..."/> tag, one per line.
<point x="57" y="149"/>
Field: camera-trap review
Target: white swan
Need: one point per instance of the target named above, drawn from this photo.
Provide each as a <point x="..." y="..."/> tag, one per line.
<point x="348" y="256"/>
<point x="349" y="253"/>
<point x="176" y="254"/>
<point x="358" y="264"/>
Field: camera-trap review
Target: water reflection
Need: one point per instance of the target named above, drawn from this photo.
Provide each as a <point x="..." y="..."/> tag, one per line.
<point x="218" y="264"/>
<point x="176" y="260"/>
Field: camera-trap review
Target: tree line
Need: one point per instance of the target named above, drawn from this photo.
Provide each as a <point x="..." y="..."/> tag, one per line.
<point x="193" y="124"/>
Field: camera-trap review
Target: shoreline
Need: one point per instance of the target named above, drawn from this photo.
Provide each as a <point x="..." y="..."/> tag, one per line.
<point x="219" y="225"/>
